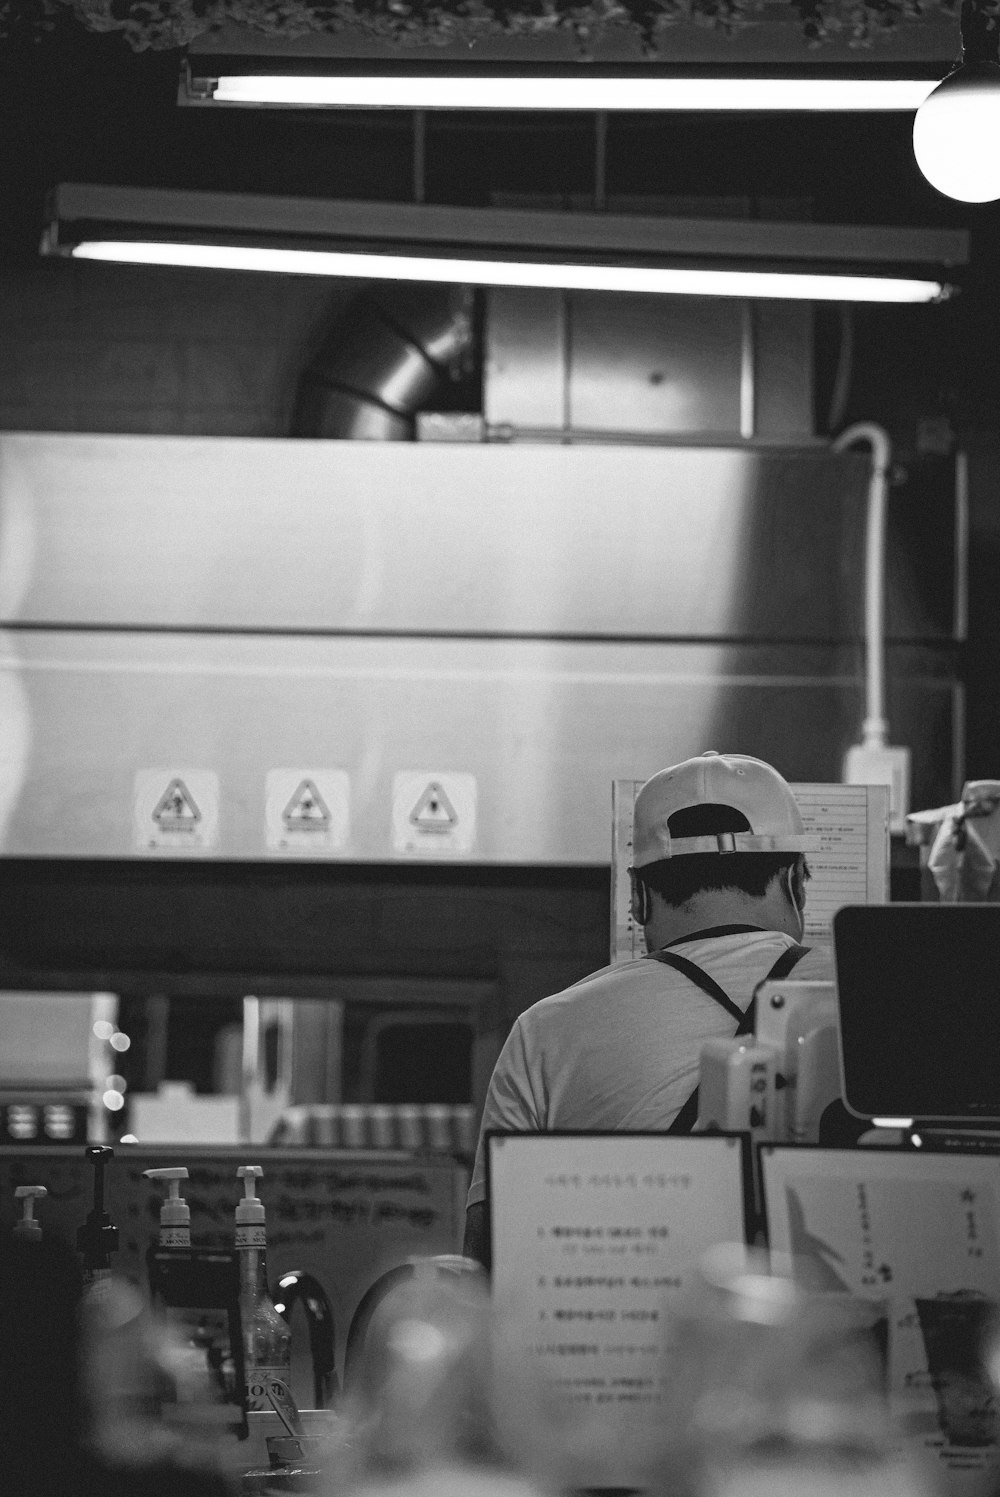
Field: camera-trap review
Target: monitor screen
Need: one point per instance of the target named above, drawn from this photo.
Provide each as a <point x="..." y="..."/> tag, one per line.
<point x="919" y="992"/>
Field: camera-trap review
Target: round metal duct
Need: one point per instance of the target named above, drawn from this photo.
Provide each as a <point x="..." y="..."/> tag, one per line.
<point x="382" y="361"/>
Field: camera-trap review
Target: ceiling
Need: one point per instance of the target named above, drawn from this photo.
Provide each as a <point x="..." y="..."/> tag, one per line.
<point x="81" y="106"/>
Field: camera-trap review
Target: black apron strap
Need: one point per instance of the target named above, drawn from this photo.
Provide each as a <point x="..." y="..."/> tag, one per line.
<point x="687" y="1117"/>
<point x="786" y="961"/>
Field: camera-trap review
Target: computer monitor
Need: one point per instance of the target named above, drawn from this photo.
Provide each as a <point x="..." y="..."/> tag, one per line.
<point x="918" y="989"/>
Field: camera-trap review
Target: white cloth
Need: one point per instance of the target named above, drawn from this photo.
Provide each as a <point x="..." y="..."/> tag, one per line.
<point x="620" y="1049"/>
<point x="964" y="855"/>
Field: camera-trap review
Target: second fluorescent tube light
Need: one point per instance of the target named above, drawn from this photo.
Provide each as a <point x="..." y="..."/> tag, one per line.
<point x="670" y="281"/>
<point x="369" y="240"/>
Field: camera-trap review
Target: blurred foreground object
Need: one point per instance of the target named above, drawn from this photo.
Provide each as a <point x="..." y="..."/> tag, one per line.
<point x="774" y="1388"/>
<point x="433" y="1399"/>
<point x="62" y="1372"/>
<point x="960" y="845"/>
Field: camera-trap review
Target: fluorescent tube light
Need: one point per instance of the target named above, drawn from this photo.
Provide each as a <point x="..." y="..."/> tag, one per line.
<point x="372" y="240"/>
<point x="481" y="272"/>
<point x="372" y="91"/>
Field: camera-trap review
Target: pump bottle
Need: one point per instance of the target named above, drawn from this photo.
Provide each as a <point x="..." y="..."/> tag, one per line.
<point x="267" y="1338"/>
<point x="175" y="1213"/>
<point x="193" y="1339"/>
<point x="27" y="1228"/>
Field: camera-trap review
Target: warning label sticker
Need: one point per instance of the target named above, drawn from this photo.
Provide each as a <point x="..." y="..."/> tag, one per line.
<point x="433" y="813"/>
<point x="307" y="810"/>
<point x="176" y="810"/>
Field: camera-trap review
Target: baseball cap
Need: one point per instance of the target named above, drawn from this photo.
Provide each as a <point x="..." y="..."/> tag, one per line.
<point x="731" y="781"/>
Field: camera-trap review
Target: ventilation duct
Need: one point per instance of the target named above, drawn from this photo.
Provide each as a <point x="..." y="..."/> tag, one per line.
<point x="381" y="362"/>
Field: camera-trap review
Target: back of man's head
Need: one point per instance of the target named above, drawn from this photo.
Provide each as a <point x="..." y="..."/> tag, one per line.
<point x="718" y="821"/>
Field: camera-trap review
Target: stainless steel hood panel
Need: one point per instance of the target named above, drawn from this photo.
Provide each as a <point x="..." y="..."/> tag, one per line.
<point x="410" y="538"/>
<point x="544" y="727"/>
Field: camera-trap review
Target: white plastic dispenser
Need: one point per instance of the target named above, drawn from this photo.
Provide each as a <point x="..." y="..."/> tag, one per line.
<point x="175" y="1213"/>
<point x="26" y="1228"/>
<point x="250" y="1210"/>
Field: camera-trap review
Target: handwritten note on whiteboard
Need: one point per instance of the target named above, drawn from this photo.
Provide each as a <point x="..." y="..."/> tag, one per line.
<point x="593" y="1236"/>
<point x="919" y="1235"/>
<point x="848" y="827"/>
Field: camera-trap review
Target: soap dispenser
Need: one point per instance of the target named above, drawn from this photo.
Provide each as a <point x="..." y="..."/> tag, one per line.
<point x="175" y="1213"/>
<point x="27" y="1228"/>
<point x="267" y="1338"/>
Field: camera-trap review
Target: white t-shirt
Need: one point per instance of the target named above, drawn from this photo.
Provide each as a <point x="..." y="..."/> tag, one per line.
<point x="620" y="1049"/>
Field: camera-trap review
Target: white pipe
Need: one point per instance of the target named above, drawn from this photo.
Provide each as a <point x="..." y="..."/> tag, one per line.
<point x="875" y="728"/>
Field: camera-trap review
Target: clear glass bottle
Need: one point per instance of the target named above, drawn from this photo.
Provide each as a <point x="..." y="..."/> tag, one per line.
<point x="267" y="1337"/>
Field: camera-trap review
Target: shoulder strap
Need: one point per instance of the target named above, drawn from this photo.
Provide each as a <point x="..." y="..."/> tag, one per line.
<point x="687" y="1117"/>
<point x="786" y="961"/>
<point x="685" y="1120"/>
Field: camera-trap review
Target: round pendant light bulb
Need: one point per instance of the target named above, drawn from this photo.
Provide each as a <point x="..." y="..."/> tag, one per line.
<point x="956" y="134"/>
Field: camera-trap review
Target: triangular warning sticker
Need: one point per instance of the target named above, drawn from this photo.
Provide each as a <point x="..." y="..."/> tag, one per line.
<point x="434" y="812"/>
<point x="175" y="810"/>
<point x="307" y="811"/>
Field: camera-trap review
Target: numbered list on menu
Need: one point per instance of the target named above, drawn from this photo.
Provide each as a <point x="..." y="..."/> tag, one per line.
<point x="593" y="1237"/>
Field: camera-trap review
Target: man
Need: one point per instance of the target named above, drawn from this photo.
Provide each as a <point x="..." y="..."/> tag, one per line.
<point x="718" y="885"/>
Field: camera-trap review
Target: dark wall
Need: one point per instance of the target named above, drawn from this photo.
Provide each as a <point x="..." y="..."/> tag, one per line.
<point x="227" y="929"/>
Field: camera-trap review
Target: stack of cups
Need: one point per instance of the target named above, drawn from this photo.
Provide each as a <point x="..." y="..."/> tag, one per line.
<point x="436" y="1128"/>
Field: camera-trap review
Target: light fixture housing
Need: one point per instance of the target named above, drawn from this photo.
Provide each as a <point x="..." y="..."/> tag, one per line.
<point x="483" y="246"/>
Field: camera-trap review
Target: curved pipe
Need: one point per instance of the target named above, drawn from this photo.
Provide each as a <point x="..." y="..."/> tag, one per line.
<point x="875" y="728"/>
<point x="298" y="1287"/>
<point x="381" y="362"/>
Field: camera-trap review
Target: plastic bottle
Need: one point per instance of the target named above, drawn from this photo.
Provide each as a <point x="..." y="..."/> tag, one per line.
<point x="26" y="1228"/>
<point x="267" y="1337"/>
<point x="175" y="1213"/>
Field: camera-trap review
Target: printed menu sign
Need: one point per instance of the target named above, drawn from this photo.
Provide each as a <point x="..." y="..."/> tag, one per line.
<point x="918" y="1234"/>
<point x="593" y="1235"/>
<point x="848" y="827"/>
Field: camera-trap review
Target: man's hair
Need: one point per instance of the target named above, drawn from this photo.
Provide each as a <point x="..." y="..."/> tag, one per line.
<point x="680" y="878"/>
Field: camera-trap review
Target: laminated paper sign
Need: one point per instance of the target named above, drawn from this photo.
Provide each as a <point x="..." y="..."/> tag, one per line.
<point x="919" y="1236"/>
<point x="593" y="1236"/>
